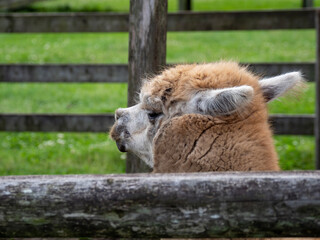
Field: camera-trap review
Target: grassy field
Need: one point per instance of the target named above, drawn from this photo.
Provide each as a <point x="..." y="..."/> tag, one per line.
<point x="65" y="153"/>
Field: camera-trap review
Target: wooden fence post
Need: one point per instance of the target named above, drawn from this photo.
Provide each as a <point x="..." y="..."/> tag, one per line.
<point x="317" y="81"/>
<point x="307" y="3"/>
<point x="185" y="5"/>
<point x="147" y="52"/>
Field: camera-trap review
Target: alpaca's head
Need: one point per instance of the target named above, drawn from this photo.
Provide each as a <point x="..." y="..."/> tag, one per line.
<point x="223" y="90"/>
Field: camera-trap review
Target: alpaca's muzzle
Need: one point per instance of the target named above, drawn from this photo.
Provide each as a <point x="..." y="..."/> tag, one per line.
<point x="121" y="146"/>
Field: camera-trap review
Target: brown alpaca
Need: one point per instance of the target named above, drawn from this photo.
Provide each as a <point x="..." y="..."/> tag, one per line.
<point x="209" y="117"/>
<point x="200" y="118"/>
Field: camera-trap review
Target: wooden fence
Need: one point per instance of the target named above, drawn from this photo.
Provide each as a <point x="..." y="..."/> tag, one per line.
<point x="228" y="205"/>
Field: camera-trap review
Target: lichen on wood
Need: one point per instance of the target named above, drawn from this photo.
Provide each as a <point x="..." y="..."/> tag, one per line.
<point x="233" y="204"/>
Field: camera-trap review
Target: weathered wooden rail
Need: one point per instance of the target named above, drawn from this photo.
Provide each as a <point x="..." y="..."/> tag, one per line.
<point x="282" y="204"/>
<point x="146" y="59"/>
<point x="190" y="21"/>
<point x="117" y="73"/>
<point x="72" y="73"/>
<point x="282" y="124"/>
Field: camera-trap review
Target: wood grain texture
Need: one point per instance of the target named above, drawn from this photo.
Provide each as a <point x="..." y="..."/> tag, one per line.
<point x="147" y="52"/>
<point x="242" y="20"/>
<point x="56" y="122"/>
<point x="63" y="22"/>
<point x="114" y="73"/>
<point x="66" y="73"/>
<point x="233" y="204"/>
<point x="281" y="124"/>
<point x="184" y="21"/>
<point x="272" y="69"/>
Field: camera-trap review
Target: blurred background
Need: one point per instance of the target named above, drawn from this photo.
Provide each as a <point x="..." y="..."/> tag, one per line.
<point x="79" y="153"/>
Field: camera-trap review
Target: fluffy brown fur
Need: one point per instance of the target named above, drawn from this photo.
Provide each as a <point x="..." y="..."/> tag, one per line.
<point x="197" y="143"/>
<point x="194" y="143"/>
<point x="185" y="80"/>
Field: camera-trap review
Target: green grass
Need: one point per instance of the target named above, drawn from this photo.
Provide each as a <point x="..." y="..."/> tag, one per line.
<point x="57" y="153"/>
<point x="62" y="98"/>
<point x="295" y="153"/>
<point x="245" y="46"/>
<point x="64" y="48"/>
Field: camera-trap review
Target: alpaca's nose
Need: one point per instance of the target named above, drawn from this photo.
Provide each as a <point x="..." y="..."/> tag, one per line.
<point x="119" y="113"/>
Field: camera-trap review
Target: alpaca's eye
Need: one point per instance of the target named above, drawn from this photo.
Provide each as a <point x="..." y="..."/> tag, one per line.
<point x="153" y="116"/>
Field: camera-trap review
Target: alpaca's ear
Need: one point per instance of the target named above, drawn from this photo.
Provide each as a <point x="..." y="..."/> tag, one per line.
<point x="275" y="87"/>
<point x="217" y="102"/>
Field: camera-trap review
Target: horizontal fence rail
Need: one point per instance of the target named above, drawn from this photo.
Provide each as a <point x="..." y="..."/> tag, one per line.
<point x="282" y="124"/>
<point x="63" y="22"/>
<point x="192" y="21"/>
<point x="56" y="122"/>
<point x="273" y="69"/>
<point x="242" y="20"/>
<point x="81" y="73"/>
<point x="228" y="205"/>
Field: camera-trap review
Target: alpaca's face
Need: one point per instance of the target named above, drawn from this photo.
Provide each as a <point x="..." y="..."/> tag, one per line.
<point x="135" y="129"/>
<point x="162" y="98"/>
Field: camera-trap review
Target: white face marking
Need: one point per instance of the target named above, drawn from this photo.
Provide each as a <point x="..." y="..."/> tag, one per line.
<point x="134" y="135"/>
<point x="135" y="129"/>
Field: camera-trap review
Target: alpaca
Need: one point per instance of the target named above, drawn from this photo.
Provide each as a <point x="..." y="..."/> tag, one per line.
<point x="206" y="117"/>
